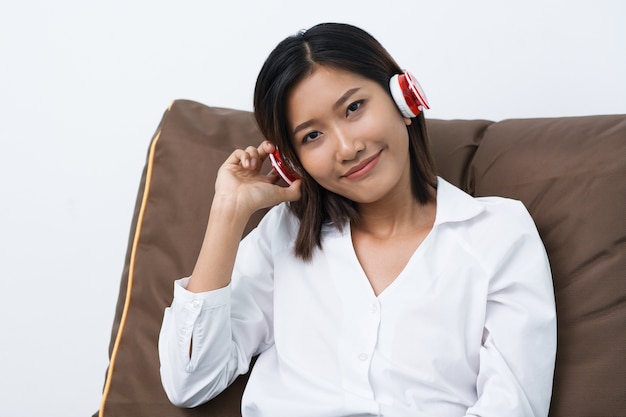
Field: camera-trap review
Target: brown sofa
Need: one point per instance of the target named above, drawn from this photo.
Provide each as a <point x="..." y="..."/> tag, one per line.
<point x="570" y="173"/>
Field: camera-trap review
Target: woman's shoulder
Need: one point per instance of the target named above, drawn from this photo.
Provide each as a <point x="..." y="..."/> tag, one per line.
<point x="484" y="212"/>
<point x="504" y="208"/>
<point x="491" y="228"/>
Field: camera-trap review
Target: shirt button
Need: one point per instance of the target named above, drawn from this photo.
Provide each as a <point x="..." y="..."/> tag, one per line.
<point x="363" y="357"/>
<point x="196" y="303"/>
<point x="374" y="308"/>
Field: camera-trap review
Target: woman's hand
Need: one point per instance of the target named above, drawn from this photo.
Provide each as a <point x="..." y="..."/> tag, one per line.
<point x="240" y="190"/>
<point x="241" y="185"/>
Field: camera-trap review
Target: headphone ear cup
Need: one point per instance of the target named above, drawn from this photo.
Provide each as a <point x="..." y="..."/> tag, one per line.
<point x="408" y="95"/>
<point x="283" y="169"/>
<point x="398" y="97"/>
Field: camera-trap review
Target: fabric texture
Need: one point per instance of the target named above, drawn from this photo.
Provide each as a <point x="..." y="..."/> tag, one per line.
<point x="569" y="172"/>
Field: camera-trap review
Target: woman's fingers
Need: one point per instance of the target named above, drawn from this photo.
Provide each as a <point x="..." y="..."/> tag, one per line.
<point x="251" y="157"/>
<point x="240" y="178"/>
<point x="266" y="148"/>
<point x="256" y="156"/>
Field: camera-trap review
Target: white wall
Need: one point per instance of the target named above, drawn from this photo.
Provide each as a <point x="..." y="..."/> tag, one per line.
<point x="83" y="85"/>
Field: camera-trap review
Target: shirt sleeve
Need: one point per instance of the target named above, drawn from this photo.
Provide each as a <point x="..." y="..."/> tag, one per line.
<point x="518" y="349"/>
<point x="204" y="319"/>
<point x="208" y="339"/>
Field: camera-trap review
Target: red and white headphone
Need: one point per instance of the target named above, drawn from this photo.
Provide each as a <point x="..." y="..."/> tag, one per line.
<point x="408" y="94"/>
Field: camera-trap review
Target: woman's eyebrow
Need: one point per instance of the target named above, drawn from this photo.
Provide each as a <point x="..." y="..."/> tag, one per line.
<point x="302" y="126"/>
<point x="339" y="103"/>
<point x="345" y="97"/>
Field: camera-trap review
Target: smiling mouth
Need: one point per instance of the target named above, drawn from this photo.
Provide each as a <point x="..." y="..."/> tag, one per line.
<point x="362" y="168"/>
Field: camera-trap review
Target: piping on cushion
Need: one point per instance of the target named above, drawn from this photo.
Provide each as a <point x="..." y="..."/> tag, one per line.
<point x="131" y="269"/>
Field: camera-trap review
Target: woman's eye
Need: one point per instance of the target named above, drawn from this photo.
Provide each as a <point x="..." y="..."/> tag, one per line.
<point x="354" y="107"/>
<point x="311" y="136"/>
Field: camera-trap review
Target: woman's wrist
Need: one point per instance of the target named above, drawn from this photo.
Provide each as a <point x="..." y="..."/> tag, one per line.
<point x="228" y="209"/>
<point x="217" y="255"/>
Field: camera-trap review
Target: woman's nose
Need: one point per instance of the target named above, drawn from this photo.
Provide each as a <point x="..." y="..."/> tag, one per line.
<point x="348" y="146"/>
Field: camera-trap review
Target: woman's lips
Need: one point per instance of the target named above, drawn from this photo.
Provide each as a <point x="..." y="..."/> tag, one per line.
<point x="362" y="168"/>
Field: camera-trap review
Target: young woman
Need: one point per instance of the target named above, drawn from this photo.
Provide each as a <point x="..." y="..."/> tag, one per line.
<point x="373" y="287"/>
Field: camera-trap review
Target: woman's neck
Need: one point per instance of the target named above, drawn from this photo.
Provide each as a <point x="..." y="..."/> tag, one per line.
<point x="396" y="215"/>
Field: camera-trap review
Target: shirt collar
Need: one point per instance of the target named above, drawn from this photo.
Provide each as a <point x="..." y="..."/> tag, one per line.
<point x="454" y="204"/>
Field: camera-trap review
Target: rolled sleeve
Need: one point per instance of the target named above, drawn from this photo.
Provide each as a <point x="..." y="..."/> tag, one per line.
<point x="195" y="351"/>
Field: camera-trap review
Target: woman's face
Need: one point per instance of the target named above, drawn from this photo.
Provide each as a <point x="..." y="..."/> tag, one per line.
<point x="349" y="135"/>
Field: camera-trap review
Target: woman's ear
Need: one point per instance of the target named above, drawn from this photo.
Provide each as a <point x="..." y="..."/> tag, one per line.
<point x="408" y="121"/>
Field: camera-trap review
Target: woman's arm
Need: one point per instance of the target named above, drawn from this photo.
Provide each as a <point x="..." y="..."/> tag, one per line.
<point x="519" y="338"/>
<point x="240" y="190"/>
<point x="199" y="355"/>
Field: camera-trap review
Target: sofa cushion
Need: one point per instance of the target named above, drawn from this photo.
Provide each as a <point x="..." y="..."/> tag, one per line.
<point x="168" y="225"/>
<point x="571" y="175"/>
<point x="453" y="145"/>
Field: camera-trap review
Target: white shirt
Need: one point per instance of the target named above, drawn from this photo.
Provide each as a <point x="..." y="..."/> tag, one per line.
<point x="467" y="328"/>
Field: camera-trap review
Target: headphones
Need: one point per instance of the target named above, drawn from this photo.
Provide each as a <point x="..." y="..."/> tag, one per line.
<point x="409" y="97"/>
<point x="285" y="170"/>
<point x="408" y="94"/>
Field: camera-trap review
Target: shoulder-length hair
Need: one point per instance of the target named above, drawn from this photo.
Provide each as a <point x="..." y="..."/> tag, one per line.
<point x="348" y="48"/>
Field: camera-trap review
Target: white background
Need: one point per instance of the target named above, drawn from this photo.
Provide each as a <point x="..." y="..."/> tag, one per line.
<point x="83" y="85"/>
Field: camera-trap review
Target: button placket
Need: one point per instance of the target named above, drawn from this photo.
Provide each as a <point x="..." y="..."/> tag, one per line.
<point x="192" y="310"/>
<point x="371" y="337"/>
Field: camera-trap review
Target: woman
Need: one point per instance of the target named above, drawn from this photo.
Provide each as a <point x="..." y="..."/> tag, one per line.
<point x="373" y="287"/>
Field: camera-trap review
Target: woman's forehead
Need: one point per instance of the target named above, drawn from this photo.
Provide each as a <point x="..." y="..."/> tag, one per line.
<point x="326" y="87"/>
